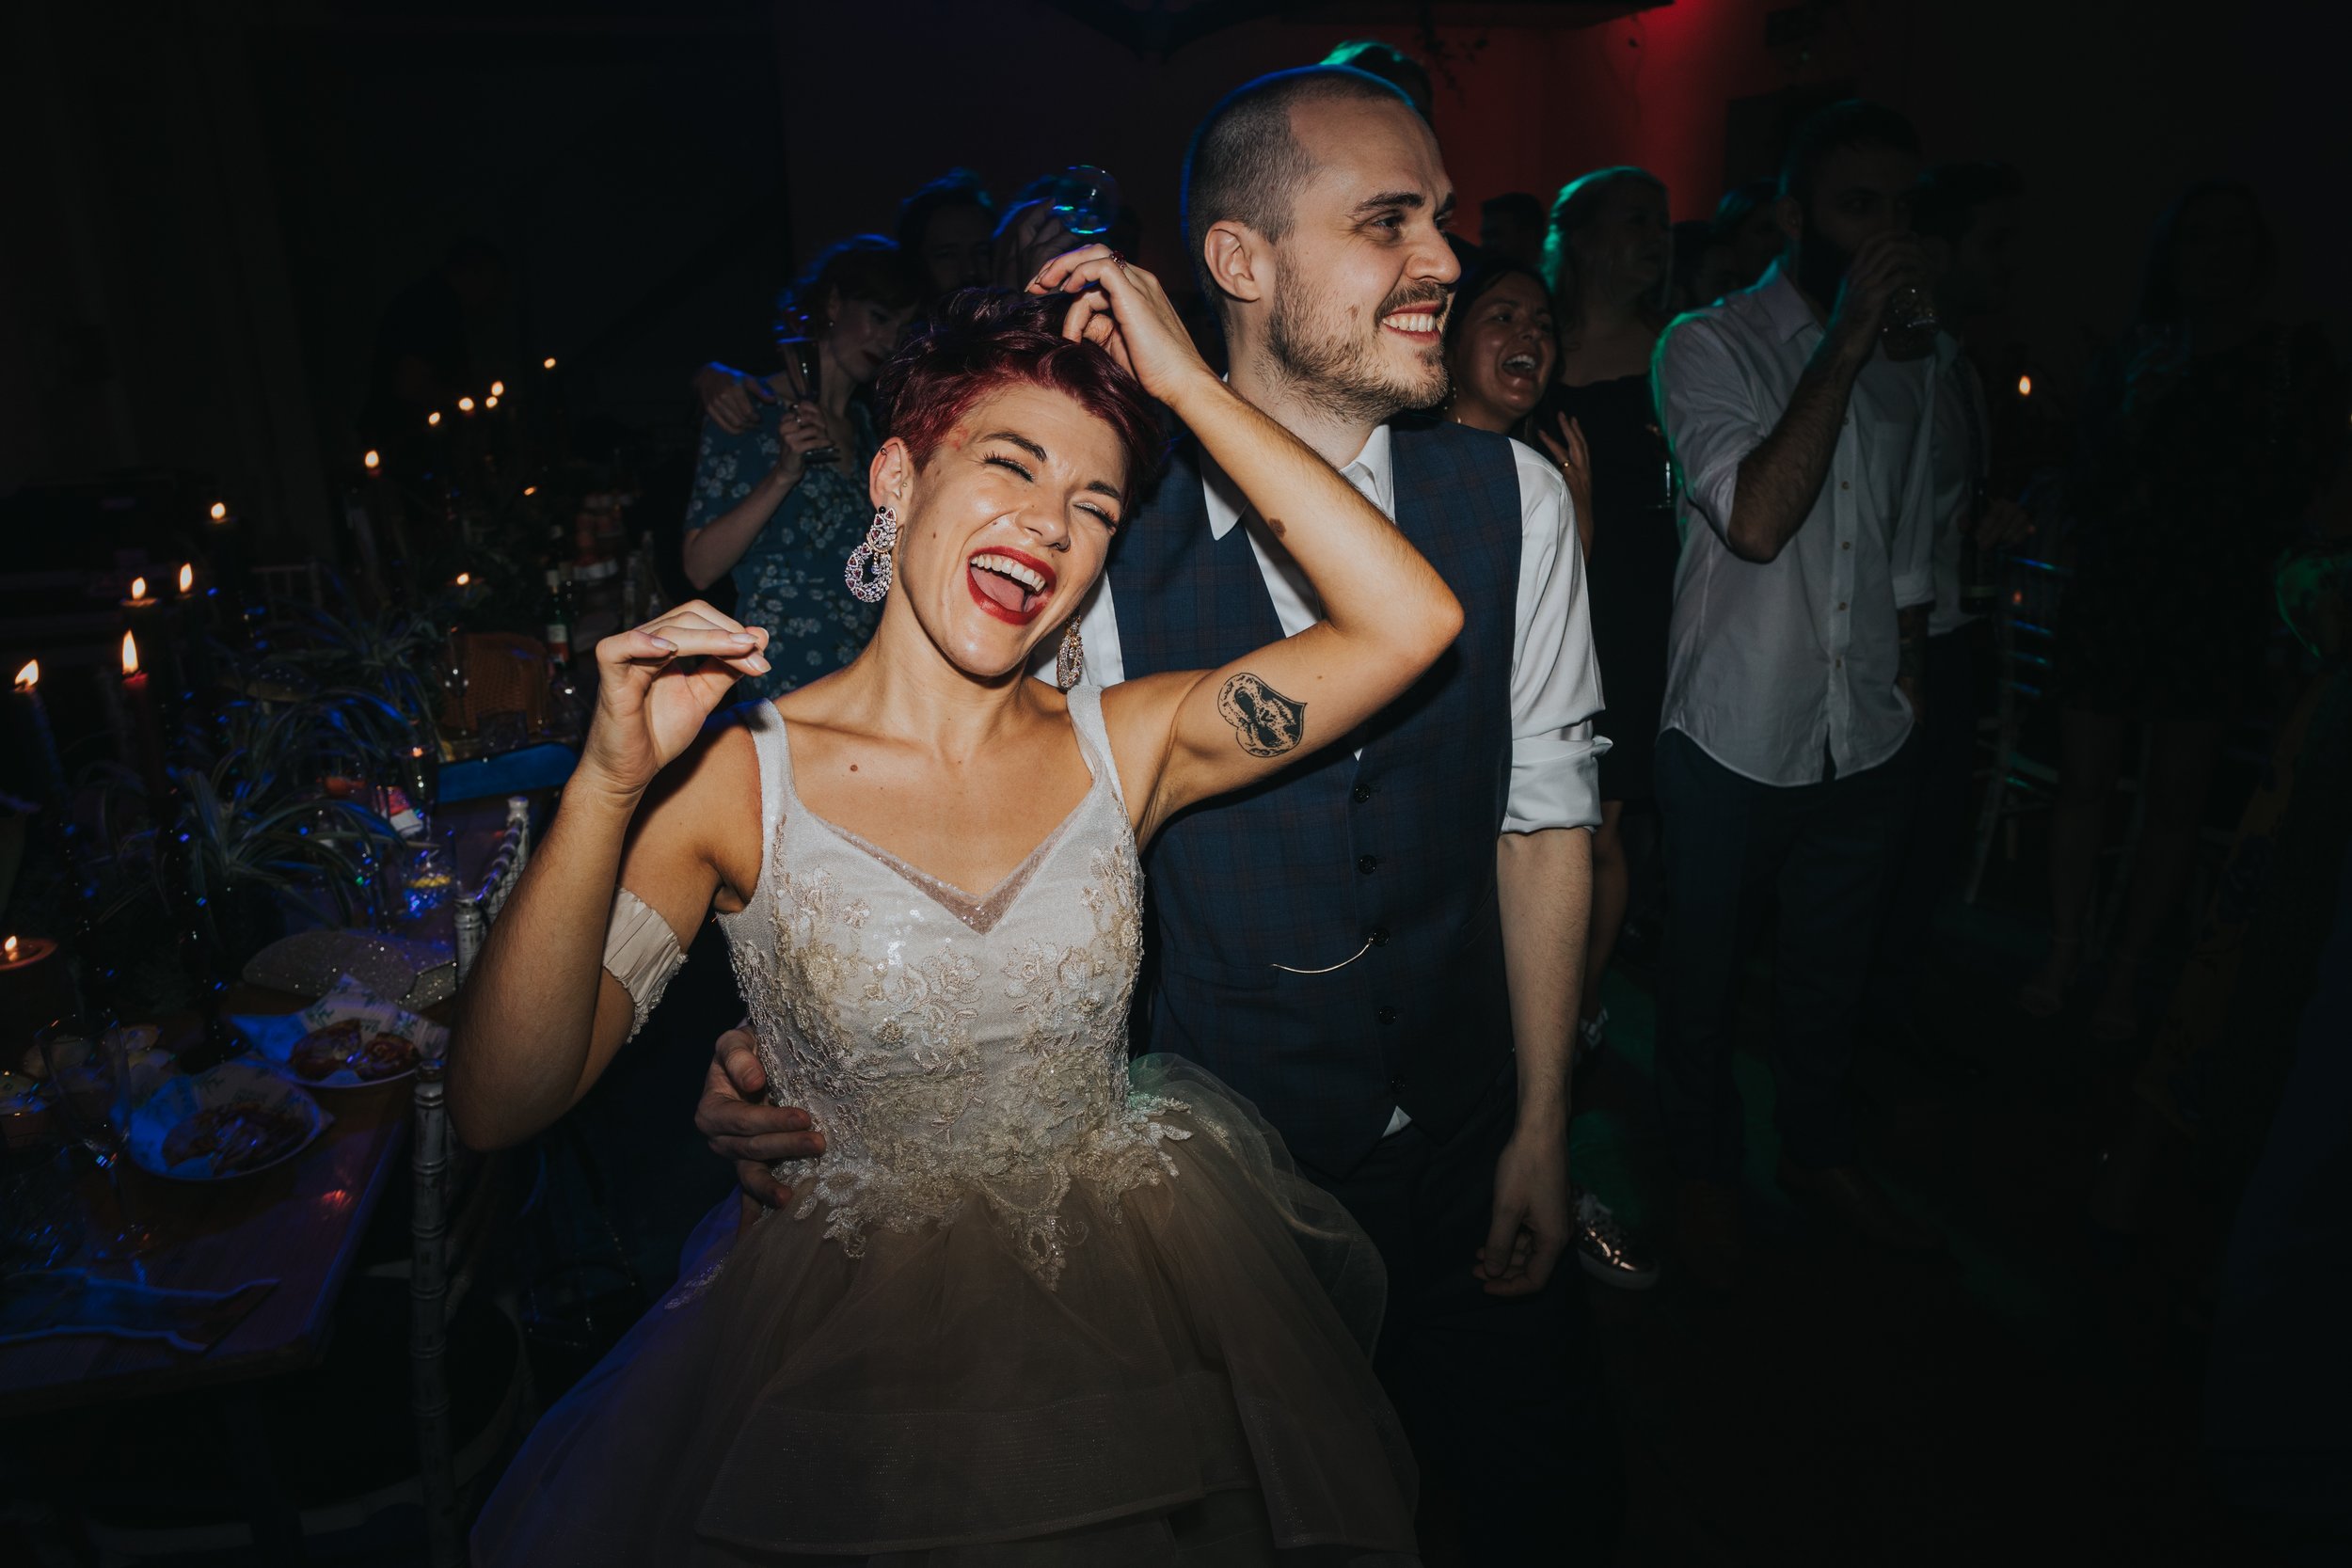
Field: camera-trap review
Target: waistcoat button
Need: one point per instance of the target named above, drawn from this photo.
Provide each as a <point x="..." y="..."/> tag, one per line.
<point x="1360" y="794"/>
<point x="1387" y="1015"/>
<point x="1367" y="863"/>
<point x="1377" y="936"/>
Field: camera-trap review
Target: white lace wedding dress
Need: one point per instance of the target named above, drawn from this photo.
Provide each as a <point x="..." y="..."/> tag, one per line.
<point x="1034" y="1305"/>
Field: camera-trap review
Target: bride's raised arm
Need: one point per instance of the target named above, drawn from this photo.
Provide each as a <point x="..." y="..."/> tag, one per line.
<point x="541" y="1017"/>
<point x="1387" y="615"/>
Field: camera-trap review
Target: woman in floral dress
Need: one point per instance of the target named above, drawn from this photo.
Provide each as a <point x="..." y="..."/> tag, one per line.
<point x="764" y="514"/>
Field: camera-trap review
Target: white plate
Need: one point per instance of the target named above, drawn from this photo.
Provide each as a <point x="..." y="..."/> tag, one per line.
<point x="230" y="1084"/>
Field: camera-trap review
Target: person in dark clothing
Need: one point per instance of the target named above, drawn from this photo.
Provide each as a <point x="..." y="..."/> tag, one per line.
<point x="1608" y="263"/>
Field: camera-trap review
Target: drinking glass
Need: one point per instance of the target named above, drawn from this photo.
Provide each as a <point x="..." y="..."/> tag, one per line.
<point x="97" y="1084"/>
<point x="1086" y="199"/>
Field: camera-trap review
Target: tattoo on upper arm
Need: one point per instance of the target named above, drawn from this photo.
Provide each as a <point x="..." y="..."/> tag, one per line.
<point x="1268" y="723"/>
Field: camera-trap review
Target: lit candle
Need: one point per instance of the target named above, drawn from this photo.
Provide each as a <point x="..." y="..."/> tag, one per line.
<point x="548" y="363"/>
<point x="491" y="401"/>
<point x="135" y="686"/>
<point x="220" y="511"/>
<point x="138" y="599"/>
<point x="374" y="461"/>
<point x="497" y="389"/>
<point x="464" y="406"/>
<point x="187" y="578"/>
<point x="2024" y="385"/>
<point x="33" y="986"/>
<point x="433" y="418"/>
<point x="44" y="739"/>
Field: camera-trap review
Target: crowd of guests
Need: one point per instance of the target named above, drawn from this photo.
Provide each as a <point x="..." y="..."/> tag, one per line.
<point x="1777" y="500"/>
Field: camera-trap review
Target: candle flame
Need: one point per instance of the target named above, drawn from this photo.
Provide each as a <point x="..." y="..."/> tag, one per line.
<point x="372" y="459"/>
<point x="220" y="511"/>
<point x="433" y="418"/>
<point x="7" y="949"/>
<point x="29" y="676"/>
<point x="138" y="587"/>
<point x="548" y="363"/>
<point x="530" y="489"/>
<point x="464" y="406"/>
<point x="489" y="402"/>
<point x="415" y="751"/>
<point x="464" y="577"/>
<point x="187" y="575"/>
<point x="497" y="389"/>
<point x="2024" y="385"/>
<point x="129" y="654"/>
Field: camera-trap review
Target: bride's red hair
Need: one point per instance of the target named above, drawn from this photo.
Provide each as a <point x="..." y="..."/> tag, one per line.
<point x="979" y="341"/>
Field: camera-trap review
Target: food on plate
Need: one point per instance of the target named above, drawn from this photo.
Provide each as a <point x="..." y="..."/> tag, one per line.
<point x="385" y="1057"/>
<point x="326" y="1050"/>
<point x="242" y="1135"/>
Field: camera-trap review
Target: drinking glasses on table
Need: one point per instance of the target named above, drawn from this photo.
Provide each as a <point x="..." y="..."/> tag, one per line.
<point x="96" y="1084"/>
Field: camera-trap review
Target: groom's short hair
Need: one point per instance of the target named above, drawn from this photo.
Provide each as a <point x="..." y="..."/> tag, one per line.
<point x="1246" y="163"/>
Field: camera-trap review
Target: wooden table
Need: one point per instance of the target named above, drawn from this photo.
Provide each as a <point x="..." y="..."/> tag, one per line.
<point x="299" y="1223"/>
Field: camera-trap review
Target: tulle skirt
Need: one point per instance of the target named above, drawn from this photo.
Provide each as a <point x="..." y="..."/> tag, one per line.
<point x="1196" y="1387"/>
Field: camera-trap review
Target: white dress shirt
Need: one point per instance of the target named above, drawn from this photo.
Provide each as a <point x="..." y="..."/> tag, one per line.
<point x="1770" y="665"/>
<point x="1555" y="684"/>
<point x="1960" y="461"/>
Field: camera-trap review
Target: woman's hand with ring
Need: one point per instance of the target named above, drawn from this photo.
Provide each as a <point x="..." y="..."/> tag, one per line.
<point x="1123" y="308"/>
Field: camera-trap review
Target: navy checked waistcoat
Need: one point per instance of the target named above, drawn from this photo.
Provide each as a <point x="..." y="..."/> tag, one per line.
<point x="1393" y="855"/>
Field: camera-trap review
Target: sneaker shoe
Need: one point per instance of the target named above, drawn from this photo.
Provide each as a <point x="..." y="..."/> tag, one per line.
<point x="1605" y="1251"/>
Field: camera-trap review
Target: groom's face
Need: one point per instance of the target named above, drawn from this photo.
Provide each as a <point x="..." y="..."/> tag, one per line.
<point x="1364" y="275"/>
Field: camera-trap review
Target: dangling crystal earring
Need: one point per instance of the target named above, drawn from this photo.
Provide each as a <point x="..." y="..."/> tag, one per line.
<point x="868" y="572"/>
<point x="1069" y="664"/>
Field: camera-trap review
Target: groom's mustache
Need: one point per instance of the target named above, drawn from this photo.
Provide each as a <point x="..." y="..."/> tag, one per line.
<point x="1433" y="297"/>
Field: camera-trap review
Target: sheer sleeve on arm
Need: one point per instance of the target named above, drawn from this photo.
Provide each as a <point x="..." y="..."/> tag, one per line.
<point x="642" y="952"/>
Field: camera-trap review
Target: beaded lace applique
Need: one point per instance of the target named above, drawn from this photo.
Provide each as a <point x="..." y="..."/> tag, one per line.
<point x="951" y="1047"/>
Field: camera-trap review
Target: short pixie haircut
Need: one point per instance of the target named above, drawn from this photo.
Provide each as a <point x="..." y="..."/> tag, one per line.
<point x="981" y="341"/>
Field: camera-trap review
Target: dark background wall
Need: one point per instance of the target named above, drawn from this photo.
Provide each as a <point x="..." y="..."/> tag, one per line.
<point x="210" y="205"/>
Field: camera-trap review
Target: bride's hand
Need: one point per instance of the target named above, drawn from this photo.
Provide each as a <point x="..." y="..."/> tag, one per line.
<point x="654" y="687"/>
<point x="1122" y="307"/>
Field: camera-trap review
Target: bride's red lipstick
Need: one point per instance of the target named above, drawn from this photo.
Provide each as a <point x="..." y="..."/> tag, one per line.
<point x="1031" y="601"/>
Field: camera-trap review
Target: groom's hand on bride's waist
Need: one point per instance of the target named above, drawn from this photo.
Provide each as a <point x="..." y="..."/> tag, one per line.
<point x="743" y="1128"/>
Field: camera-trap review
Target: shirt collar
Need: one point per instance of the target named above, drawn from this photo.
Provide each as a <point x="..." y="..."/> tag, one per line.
<point x="1784" y="307"/>
<point x="1372" y="471"/>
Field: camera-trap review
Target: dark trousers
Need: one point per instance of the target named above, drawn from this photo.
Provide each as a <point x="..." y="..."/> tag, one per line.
<point x="1500" y="1395"/>
<point x="1934" y="833"/>
<point x="1821" y="853"/>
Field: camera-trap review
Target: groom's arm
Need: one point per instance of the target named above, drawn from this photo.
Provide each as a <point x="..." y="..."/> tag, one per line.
<point x="1544" y="875"/>
<point x="1545" y="880"/>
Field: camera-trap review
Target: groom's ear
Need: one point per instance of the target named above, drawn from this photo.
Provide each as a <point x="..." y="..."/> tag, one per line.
<point x="1238" y="261"/>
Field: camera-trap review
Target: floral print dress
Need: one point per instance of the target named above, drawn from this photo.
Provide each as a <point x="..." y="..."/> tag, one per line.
<point x="790" y="580"/>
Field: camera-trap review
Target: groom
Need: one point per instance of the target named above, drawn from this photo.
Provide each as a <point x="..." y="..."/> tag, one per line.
<point x="1380" y="948"/>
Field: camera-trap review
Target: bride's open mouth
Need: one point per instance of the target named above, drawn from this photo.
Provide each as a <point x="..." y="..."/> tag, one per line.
<point x="1009" y="584"/>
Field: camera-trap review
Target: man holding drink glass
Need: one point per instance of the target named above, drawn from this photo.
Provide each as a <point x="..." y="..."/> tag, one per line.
<point x="1799" y="411"/>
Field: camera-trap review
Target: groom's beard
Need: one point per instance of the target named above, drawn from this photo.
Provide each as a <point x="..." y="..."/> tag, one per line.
<point x="1351" y="372"/>
<point x="1820" y="268"/>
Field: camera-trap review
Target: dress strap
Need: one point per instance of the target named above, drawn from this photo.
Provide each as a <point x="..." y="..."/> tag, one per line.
<point x="1086" y="716"/>
<point x="775" y="768"/>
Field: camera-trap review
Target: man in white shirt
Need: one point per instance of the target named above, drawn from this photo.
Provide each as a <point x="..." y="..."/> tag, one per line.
<point x="1380" y="948"/>
<point x="1794" y="660"/>
<point x="1966" y="217"/>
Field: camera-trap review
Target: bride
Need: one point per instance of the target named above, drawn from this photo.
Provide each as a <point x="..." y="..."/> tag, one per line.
<point x="1035" y="1304"/>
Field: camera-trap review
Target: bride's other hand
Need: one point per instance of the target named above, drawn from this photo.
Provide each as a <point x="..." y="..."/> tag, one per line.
<point x="655" y="686"/>
<point x="1122" y="307"/>
<point x="743" y="1128"/>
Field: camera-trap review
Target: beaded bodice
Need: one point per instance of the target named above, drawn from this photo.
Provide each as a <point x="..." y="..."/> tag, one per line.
<point x="952" y="1049"/>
